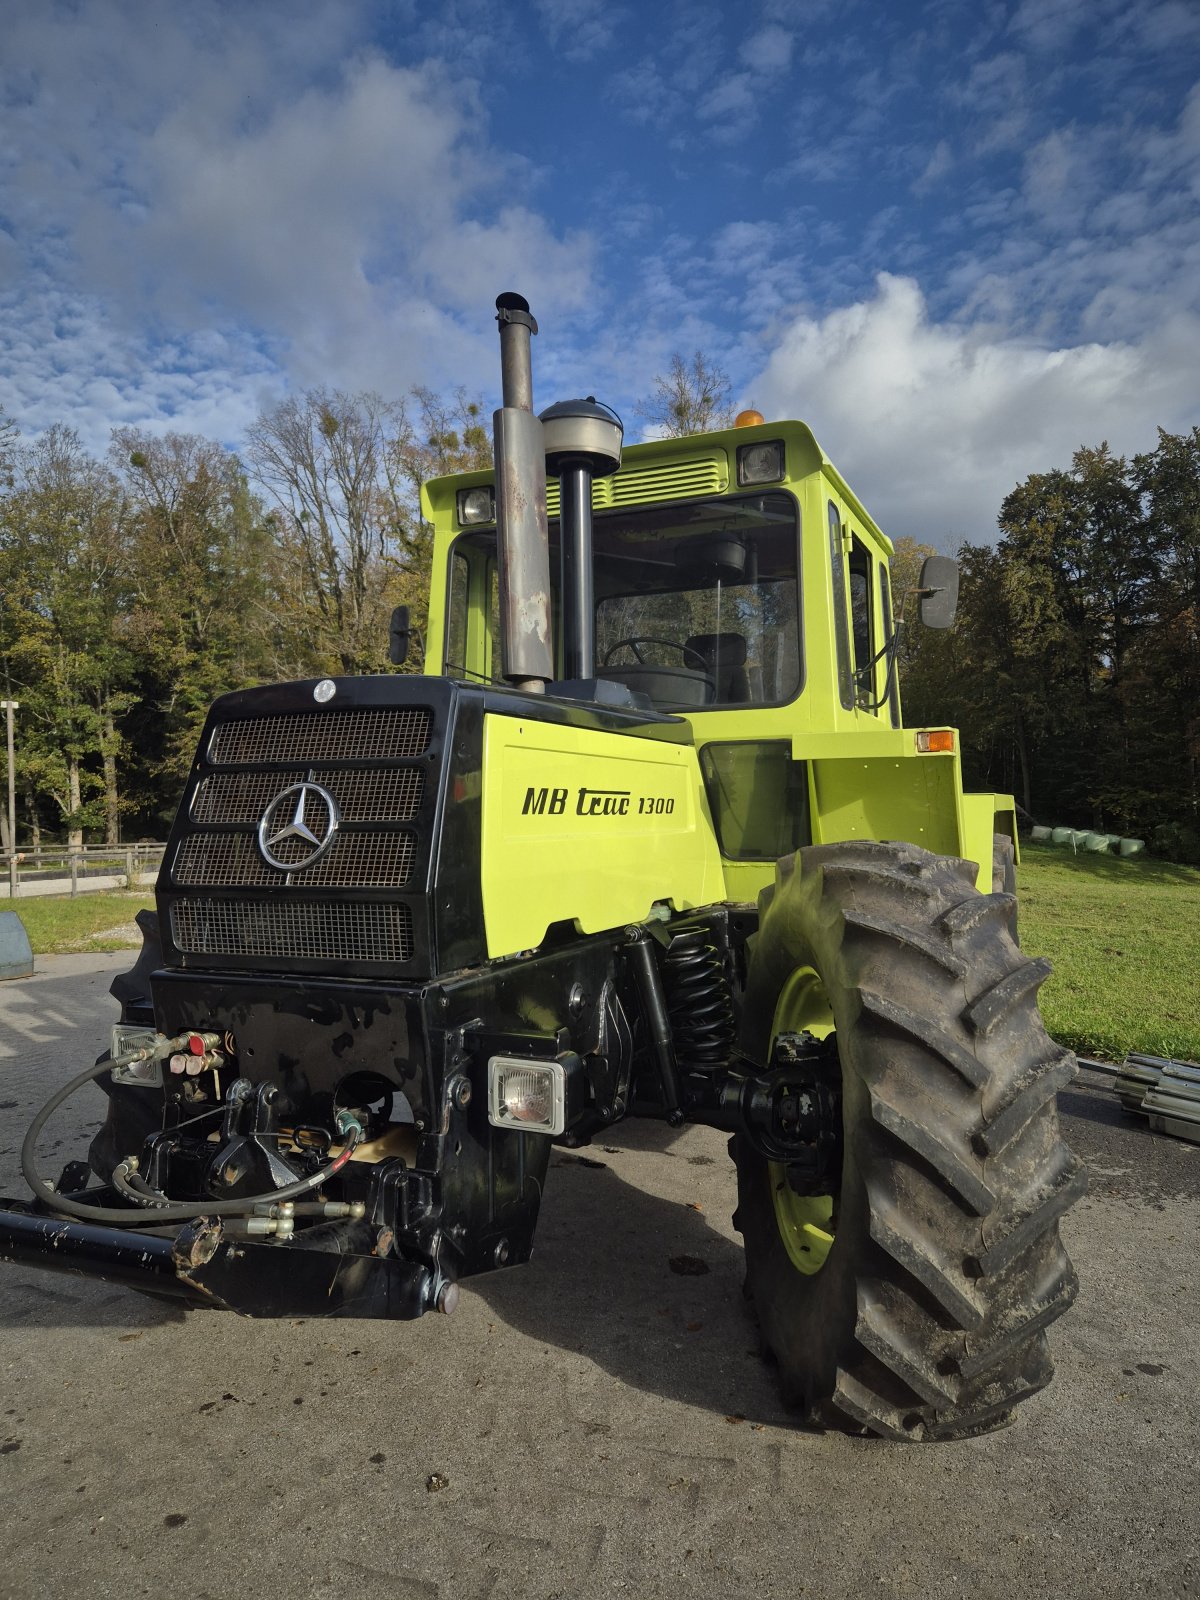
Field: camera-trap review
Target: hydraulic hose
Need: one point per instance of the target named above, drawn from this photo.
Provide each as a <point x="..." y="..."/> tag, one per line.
<point x="121" y="1218"/>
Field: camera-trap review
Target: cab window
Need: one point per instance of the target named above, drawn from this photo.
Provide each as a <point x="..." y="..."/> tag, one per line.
<point x="841" y="631"/>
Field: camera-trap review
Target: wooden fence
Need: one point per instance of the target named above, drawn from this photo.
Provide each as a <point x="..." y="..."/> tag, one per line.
<point x="89" y="869"/>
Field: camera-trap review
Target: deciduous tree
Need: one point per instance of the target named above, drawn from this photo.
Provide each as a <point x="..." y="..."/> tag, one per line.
<point x="690" y="397"/>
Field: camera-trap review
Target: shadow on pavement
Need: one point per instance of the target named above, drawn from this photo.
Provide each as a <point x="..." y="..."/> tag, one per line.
<point x="602" y="1284"/>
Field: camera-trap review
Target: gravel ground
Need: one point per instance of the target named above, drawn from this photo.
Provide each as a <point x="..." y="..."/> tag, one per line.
<point x="602" y="1426"/>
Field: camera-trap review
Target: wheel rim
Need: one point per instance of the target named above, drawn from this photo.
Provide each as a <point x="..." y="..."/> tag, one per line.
<point x="805" y="1221"/>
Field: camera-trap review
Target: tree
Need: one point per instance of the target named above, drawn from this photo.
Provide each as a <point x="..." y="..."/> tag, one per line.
<point x="1164" y="687"/>
<point x="65" y="573"/>
<point x="1077" y="570"/>
<point x="9" y="435"/>
<point x="345" y="472"/>
<point x="692" y="397"/>
<point x="330" y="462"/>
<point x="204" y="610"/>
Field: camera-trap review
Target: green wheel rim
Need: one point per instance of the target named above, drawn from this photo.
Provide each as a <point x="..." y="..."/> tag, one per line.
<point x="805" y="1221"/>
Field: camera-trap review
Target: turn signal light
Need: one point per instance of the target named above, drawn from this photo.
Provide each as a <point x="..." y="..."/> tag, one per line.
<point x="937" y="741"/>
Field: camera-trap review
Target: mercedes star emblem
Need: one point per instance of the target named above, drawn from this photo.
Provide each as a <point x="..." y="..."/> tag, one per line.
<point x="298" y="827"/>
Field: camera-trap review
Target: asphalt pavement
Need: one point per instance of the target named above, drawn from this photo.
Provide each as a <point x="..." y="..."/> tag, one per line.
<point x="591" y="1424"/>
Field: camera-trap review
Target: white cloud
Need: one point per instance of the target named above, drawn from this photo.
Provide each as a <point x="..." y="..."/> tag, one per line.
<point x="934" y="423"/>
<point x="1051" y="25"/>
<point x="768" y="50"/>
<point x="731" y="99"/>
<point x="580" y="29"/>
<point x="938" y="165"/>
<point x="62" y="358"/>
<point x="261" y="179"/>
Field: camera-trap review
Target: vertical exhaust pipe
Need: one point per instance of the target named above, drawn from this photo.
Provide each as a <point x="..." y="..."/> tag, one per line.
<point x="583" y="442"/>
<point x="523" y="543"/>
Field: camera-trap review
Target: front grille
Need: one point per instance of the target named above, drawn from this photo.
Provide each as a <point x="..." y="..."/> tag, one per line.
<point x="353" y="861"/>
<point x="306" y="736"/>
<point x="370" y="795"/>
<point x="364" y="777"/>
<point x="304" y="930"/>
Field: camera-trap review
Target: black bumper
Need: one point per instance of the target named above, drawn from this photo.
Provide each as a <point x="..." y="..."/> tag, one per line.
<point x="328" y="1271"/>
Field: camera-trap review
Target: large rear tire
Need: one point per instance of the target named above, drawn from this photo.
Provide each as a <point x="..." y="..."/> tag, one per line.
<point x="912" y="1301"/>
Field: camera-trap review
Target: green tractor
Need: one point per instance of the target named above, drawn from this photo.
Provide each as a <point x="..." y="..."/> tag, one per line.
<point x="648" y="837"/>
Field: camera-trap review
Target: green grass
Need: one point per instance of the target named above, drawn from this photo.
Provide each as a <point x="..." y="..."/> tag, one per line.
<point x="57" y="925"/>
<point x="1124" y="937"/>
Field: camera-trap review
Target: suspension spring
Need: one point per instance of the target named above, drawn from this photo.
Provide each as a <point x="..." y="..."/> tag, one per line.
<point x="699" y="1000"/>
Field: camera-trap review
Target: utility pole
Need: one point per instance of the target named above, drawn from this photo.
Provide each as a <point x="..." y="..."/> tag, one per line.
<point x="9" y="707"/>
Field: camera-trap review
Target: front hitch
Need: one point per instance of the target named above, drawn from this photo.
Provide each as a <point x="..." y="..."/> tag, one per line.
<point x="332" y="1270"/>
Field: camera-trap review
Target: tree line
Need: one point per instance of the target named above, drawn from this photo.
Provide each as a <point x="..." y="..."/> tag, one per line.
<point x="135" y="589"/>
<point x="1073" y="670"/>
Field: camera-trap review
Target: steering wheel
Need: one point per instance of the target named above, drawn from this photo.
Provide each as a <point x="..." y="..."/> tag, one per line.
<point x="635" y="640"/>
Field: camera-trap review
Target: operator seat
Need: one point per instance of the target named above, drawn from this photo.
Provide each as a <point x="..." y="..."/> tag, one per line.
<point x="724" y="654"/>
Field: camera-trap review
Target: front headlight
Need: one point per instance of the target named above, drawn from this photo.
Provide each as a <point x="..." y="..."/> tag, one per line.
<point x="527" y="1096"/>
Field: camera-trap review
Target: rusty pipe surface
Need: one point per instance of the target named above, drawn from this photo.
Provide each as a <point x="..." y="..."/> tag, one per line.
<point x="522" y="537"/>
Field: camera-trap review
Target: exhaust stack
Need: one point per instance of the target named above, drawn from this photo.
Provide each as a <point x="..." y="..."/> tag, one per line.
<point x="583" y="442"/>
<point x="523" y="543"/>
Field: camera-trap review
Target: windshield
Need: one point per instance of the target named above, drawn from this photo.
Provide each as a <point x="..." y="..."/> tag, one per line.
<point x="696" y="604"/>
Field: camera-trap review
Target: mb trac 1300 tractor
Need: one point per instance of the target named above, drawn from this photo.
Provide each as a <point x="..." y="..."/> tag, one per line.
<point x="647" y="838"/>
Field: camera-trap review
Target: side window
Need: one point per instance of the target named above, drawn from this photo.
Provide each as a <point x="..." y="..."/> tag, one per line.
<point x="841" y="630"/>
<point x="861" y="617"/>
<point x="473" y="615"/>
<point x="456" y="621"/>
<point x="493" y="664"/>
<point x="758" y="797"/>
<point x="889" y="629"/>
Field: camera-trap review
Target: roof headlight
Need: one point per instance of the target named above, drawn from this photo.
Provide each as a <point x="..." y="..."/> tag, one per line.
<point x="476" y="505"/>
<point x="760" y="463"/>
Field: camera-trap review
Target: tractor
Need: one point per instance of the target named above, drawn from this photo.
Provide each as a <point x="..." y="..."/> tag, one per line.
<point x="646" y="837"/>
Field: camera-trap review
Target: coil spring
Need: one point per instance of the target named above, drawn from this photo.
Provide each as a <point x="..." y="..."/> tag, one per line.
<point x="699" y="1001"/>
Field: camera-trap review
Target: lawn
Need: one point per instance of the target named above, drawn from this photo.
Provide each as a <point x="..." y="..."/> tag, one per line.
<point x="1124" y="937"/>
<point x="57" y="923"/>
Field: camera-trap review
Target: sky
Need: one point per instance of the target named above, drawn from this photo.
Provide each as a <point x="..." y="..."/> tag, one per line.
<point x="959" y="238"/>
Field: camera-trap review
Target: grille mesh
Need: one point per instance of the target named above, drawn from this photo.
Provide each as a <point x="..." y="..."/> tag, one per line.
<point x="371" y="795"/>
<point x="307" y="736"/>
<point x="678" y="480"/>
<point x="293" y="929"/>
<point x="353" y="861"/>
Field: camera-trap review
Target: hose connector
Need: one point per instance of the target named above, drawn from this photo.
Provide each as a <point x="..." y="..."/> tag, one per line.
<point x="350" y="1128"/>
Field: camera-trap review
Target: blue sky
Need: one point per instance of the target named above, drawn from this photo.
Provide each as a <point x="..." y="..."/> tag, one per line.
<point x="959" y="239"/>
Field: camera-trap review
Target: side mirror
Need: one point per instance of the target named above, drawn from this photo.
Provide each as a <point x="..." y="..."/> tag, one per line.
<point x="400" y="635"/>
<point x="938" y="591"/>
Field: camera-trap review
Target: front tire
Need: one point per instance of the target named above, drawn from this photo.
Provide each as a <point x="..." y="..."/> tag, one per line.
<point x="918" y="1309"/>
